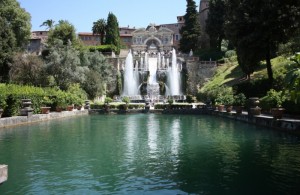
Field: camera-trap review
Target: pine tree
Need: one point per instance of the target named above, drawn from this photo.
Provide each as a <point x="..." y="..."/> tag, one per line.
<point x="191" y="31"/>
<point x="112" y="32"/>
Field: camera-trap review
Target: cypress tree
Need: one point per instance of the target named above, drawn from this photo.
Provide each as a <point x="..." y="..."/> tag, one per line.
<point x="112" y="32"/>
<point x="215" y="23"/>
<point x="191" y="31"/>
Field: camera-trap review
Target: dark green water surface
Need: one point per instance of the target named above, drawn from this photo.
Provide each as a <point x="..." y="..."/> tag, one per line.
<point x="149" y="154"/>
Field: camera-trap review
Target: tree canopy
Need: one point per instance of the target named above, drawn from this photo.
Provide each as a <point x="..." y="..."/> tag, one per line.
<point x="64" y="31"/>
<point x="99" y="28"/>
<point x="49" y="24"/>
<point x="14" y="32"/>
<point x="191" y="31"/>
<point x="256" y="27"/>
<point x="112" y="32"/>
<point x="215" y="23"/>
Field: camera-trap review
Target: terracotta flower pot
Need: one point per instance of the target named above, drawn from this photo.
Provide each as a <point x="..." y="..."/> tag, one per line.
<point x="228" y="108"/>
<point x="70" y="108"/>
<point x="220" y="108"/>
<point x="255" y="111"/>
<point x="239" y="109"/>
<point x="277" y="112"/>
<point x="45" y="110"/>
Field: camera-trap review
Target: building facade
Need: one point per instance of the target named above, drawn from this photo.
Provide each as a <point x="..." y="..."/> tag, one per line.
<point x="203" y="14"/>
<point x="152" y="39"/>
<point x="37" y="42"/>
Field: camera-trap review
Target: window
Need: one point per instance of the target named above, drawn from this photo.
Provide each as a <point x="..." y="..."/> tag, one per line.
<point x="177" y="37"/>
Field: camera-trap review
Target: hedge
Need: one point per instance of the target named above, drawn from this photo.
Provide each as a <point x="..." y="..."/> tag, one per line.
<point x="11" y="96"/>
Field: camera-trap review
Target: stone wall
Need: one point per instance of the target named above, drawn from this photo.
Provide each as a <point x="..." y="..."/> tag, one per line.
<point x="198" y="72"/>
<point x="22" y="120"/>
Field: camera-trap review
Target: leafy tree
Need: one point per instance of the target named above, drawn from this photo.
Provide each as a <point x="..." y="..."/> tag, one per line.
<point x="64" y="31"/>
<point x="49" y="24"/>
<point x="215" y="23"/>
<point x="63" y="64"/>
<point x="14" y="32"/>
<point x="26" y="69"/>
<point x="259" y="26"/>
<point x="112" y="32"/>
<point x="190" y="32"/>
<point x="99" y="27"/>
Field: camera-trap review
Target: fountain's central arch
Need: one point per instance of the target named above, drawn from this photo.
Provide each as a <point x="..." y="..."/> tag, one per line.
<point x="153" y="45"/>
<point x="153" y="38"/>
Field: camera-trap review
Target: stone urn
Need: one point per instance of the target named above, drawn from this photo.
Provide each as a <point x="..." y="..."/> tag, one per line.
<point x="254" y="108"/>
<point x="26" y="107"/>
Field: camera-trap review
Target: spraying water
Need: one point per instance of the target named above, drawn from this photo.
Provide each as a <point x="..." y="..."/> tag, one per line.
<point x="174" y="79"/>
<point x="131" y="77"/>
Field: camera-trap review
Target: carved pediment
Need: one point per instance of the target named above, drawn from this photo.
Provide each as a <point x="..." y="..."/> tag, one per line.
<point x="165" y="30"/>
<point x="139" y="31"/>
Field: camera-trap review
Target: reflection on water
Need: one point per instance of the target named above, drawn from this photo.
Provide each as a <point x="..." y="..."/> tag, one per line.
<point x="152" y="129"/>
<point x="152" y="154"/>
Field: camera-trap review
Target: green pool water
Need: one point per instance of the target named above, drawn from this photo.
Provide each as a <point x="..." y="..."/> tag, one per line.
<point x="149" y="154"/>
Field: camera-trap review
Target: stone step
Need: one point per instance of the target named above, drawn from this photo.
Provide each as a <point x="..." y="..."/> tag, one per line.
<point x="3" y="173"/>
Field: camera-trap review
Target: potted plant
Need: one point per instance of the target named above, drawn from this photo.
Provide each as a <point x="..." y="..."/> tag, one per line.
<point x="228" y="102"/>
<point x="170" y="102"/>
<point x="60" y="103"/>
<point x="275" y="100"/>
<point x="239" y="102"/>
<point x="46" y="102"/>
<point x="219" y="102"/>
<point x="127" y="101"/>
<point x="107" y="101"/>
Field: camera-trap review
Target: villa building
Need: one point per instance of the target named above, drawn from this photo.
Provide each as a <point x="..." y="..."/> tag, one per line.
<point x="155" y="37"/>
<point x="37" y="42"/>
<point x="152" y="39"/>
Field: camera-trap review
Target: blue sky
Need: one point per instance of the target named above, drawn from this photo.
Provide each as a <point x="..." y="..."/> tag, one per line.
<point x="82" y="13"/>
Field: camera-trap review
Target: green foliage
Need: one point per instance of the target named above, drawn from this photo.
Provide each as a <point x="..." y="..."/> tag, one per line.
<point x="64" y="31"/>
<point x="112" y="32"/>
<point x="210" y="54"/>
<point x="253" y="88"/>
<point x="239" y="99"/>
<point x="27" y="69"/>
<point x="292" y="79"/>
<point x="12" y="95"/>
<point x="49" y="24"/>
<point x="98" y="75"/>
<point x="221" y="95"/>
<point x="3" y="101"/>
<point x="102" y="48"/>
<point x="126" y="100"/>
<point x="215" y="23"/>
<point x="190" y="99"/>
<point x="273" y="99"/>
<point x="108" y="100"/>
<point x="191" y="31"/>
<point x="170" y="101"/>
<point x="63" y="63"/>
<point x="99" y="27"/>
<point x="257" y="34"/>
<point x="14" y="33"/>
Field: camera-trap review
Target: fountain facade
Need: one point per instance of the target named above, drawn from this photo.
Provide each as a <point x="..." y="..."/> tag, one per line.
<point x="152" y="76"/>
